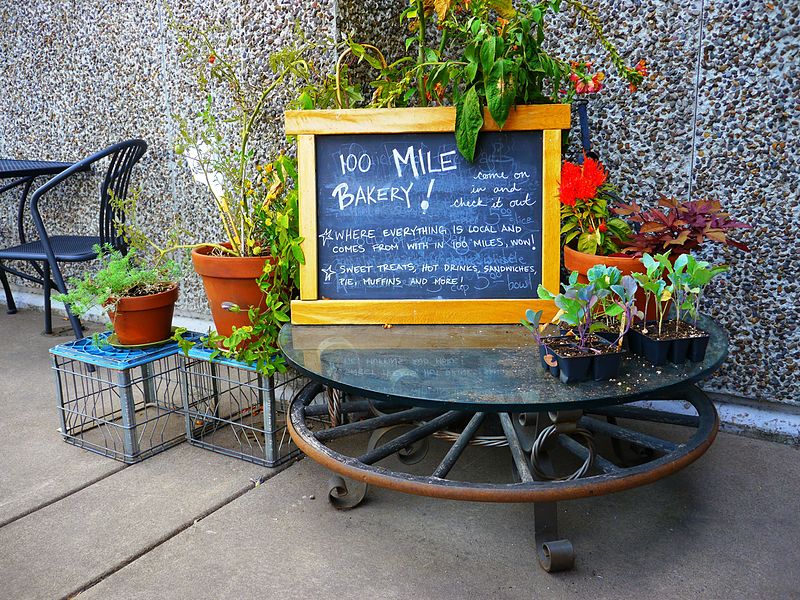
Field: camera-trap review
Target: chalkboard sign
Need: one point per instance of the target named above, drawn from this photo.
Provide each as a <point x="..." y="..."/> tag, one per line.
<point x="399" y="228"/>
<point x="406" y="216"/>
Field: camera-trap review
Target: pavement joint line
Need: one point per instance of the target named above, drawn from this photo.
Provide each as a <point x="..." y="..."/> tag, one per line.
<point x="252" y="485"/>
<point x="61" y="497"/>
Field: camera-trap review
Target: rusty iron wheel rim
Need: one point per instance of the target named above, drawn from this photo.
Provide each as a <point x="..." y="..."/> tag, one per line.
<point x="537" y="491"/>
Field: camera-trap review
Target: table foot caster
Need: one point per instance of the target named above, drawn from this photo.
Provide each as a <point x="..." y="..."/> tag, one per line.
<point x="343" y="497"/>
<point x="556" y="555"/>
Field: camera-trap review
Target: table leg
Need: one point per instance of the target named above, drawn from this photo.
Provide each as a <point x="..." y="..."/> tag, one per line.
<point x="553" y="552"/>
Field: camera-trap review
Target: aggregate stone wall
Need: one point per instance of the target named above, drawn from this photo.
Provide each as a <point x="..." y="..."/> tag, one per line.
<point x="718" y="118"/>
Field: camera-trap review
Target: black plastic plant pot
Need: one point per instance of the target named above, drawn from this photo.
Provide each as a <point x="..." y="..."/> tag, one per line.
<point x="697" y="348"/>
<point x="612" y="336"/>
<point x="606" y="366"/>
<point x="634" y="340"/>
<point x="679" y="350"/>
<point x="574" y="369"/>
<point x="655" y="351"/>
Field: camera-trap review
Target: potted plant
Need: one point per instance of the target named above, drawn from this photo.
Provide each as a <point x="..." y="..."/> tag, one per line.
<point x="254" y="198"/>
<point x="587" y="221"/>
<point x="585" y="309"/>
<point x="680" y="284"/>
<point x="137" y="289"/>
<point x="138" y="297"/>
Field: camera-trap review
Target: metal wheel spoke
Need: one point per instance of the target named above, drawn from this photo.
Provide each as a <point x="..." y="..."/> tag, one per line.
<point x="350" y="406"/>
<point x="582" y="452"/>
<point x="620" y="433"/>
<point x="516" y="448"/>
<point x="646" y="414"/>
<point x="412" y="436"/>
<point x="458" y="446"/>
<point x="406" y="416"/>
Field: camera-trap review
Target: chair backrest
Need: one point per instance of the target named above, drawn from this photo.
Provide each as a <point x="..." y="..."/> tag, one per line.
<point x="122" y="157"/>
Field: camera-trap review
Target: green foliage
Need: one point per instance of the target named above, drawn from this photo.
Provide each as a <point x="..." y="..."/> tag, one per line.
<point x="607" y="298"/>
<point x="532" y="322"/>
<point x="490" y="53"/>
<point x="681" y="283"/>
<point x="256" y="200"/>
<point x="119" y="276"/>
<point x="225" y="163"/>
<point x="277" y="234"/>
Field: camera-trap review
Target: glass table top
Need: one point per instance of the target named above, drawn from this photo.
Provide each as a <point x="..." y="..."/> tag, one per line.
<point x="471" y="367"/>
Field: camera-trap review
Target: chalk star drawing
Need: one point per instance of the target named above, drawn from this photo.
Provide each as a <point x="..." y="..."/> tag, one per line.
<point x="329" y="272"/>
<point x="326" y="236"/>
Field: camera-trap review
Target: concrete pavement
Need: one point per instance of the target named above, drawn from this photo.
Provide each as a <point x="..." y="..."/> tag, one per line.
<point x="190" y="524"/>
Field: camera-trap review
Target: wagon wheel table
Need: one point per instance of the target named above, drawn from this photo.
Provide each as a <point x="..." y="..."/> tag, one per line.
<point x="483" y="385"/>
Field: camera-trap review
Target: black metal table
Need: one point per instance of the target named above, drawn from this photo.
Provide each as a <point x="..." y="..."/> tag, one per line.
<point x="23" y="173"/>
<point x="483" y="385"/>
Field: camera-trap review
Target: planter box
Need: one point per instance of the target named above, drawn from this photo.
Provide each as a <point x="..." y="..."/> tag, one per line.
<point x="121" y="403"/>
<point x="581" y="368"/>
<point x="660" y="352"/>
<point x="233" y="410"/>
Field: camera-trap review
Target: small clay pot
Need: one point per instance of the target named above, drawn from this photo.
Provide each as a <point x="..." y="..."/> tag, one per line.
<point x="144" y="319"/>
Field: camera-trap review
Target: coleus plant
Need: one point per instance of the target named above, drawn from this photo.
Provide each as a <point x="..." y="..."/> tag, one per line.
<point x="679" y="226"/>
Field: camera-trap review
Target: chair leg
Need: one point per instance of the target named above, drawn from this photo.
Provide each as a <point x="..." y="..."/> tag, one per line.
<point x="62" y="287"/>
<point x="48" y="315"/>
<point x="12" y="306"/>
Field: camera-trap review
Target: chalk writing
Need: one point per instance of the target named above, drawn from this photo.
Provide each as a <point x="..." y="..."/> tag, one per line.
<point x="405" y="216"/>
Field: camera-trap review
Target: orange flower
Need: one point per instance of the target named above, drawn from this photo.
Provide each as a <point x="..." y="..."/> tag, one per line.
<point x="501" y="25"/>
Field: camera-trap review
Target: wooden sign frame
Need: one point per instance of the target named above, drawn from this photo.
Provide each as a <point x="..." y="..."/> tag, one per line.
<point x="310" y="309"/>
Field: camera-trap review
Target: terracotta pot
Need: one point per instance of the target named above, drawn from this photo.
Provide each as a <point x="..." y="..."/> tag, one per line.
<point x="581" y="262"/>
<point x="229" y="279"/>
<point x="144" y="319"/>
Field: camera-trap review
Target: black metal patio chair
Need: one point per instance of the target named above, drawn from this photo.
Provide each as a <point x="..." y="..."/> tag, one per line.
<point x="50" y="250"/>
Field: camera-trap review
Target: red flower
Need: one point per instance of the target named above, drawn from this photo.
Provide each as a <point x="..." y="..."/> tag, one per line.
<point x="211" y="59"/>
<point x="641" y="68"/>
<point x="602" y="227"/>
<point x="580" y="182"/>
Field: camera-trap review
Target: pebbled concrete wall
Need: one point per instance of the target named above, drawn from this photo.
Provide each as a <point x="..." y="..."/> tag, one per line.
<point x="719" y="118"/>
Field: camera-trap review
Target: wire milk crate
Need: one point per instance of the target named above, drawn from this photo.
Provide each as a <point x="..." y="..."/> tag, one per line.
<point x="123" y="403"/>
<point x="233" y="410"/>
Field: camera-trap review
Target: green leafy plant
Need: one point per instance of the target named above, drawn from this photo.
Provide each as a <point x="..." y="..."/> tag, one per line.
<point x="490" y="54"/>
<point x="217" y="141"/>
<point x="654" y="286"/>
<point x="700" y="273"/>
<point x="119" y="276"/>
<point x="276" y="230"/>
<point x="590" y="307"/>
<point x="255" y="198"/>
<point x="680" y="283"/>
<point x="147" y="268"/>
